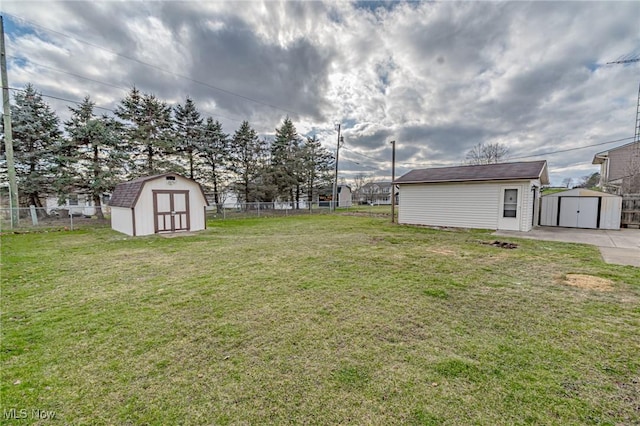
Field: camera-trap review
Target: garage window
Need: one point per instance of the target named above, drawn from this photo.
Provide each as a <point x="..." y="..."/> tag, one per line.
<point x="510" y="203"/>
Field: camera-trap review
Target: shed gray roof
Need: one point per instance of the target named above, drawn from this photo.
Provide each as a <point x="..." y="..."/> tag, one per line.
<point x="126" y="194"/>
<point x="485" y="172"/>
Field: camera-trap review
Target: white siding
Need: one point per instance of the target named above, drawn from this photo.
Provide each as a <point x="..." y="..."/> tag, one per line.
<point x="462" y="205"/>
<point x="610" y="207"/>
<point x="610" y="212"/>
<point x="549" y="211"/>
<point x="122" y="220"/>
<point x="528" y="198"/>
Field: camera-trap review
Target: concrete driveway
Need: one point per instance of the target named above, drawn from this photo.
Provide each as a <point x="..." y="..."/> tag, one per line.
<point x="620" y="247"/>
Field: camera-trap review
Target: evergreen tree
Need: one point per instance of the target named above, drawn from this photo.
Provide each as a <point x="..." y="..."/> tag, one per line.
<point x="188" y="132"/>
<point x="214" y="152"/>
<point x="286" y="162"/>
<point x="35" y="138"/>
<point x="317" y="163"/>
<point x="246" y="161"/>
<point x="148" y="133"/>
<point x="93" y="153"/>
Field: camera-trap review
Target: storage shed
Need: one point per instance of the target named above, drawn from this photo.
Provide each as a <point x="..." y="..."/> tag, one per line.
<point x="581" y="208"/>
<point x="156" y="204"/>
<point x="489" y="196"/>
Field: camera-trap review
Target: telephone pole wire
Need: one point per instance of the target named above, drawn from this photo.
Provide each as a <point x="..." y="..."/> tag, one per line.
<point x="8" y="134"/>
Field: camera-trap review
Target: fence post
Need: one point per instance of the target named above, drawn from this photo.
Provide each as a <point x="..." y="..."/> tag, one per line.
<point x="34" y="215"/>
<point x="71" y="216"/>
<point x="258" y="208"/>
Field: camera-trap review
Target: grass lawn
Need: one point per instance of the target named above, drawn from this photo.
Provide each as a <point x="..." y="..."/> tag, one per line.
<point x="326" y="319"/>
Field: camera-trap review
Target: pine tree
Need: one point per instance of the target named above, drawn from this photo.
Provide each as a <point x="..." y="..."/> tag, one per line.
<point x="214" y="152"/>
<point x="188" y="132"/>
<point x="35" y="138"/>
<point x="286" y="162"/>
<point x="247" y="154"/>
<point x="317" y="163"/>
<point x="93" y="152"/>
<point x="148" y="133"/>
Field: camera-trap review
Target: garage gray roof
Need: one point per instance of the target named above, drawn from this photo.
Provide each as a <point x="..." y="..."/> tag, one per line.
<point x="485" y="172"/>
<point x="126" y="194"/>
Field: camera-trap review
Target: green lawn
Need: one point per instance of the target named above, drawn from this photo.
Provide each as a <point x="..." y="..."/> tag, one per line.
<point x="330" y="319"/>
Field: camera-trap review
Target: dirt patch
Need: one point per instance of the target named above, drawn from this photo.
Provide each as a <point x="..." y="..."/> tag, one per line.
<point x="501" y="244"/>
<point x="588" y="282"/>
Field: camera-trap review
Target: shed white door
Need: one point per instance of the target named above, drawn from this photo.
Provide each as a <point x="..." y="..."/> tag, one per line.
<point x="171" y="210"/>
<point x="579" y="212"/>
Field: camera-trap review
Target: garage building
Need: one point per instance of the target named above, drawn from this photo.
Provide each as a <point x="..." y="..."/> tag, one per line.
<point x="489" y="196"/>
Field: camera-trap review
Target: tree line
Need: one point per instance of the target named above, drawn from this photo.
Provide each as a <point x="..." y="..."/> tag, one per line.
<point x="91" y="153"/>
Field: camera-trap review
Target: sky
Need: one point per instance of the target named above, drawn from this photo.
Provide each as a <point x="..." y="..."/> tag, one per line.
<point x="436" y="77"/>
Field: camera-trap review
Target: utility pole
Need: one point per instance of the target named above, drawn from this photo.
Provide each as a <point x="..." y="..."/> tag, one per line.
<point x="393" y="178"/>
<point x="335" y="182"/>
<point x="8" y="134"/>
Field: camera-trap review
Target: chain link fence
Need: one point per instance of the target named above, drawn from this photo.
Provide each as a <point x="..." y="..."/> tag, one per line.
<point x="40" y="218"/>
<point x="77" y="217"/>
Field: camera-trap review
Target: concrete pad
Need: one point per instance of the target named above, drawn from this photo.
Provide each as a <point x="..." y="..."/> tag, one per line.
<point x="621" y="256"/>
<point x="620" y="247"/>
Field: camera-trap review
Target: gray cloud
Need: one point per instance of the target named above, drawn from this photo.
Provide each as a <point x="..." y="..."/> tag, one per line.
<point x="436" y="77"/>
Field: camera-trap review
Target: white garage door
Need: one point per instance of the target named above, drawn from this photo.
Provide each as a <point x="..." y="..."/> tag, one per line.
<point x="579" y="212"/>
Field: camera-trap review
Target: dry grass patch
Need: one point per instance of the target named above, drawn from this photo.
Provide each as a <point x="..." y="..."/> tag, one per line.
<point x="588" y="282"/>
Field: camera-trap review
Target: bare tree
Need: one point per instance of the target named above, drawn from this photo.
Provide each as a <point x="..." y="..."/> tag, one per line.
<point x="491" y="153"/>
<point x="357" y="184"/>
<point x="631" y="180"/>
<point x="567" y="182"/>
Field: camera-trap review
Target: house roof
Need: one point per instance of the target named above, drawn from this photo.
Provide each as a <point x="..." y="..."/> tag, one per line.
<point x="600" y="157"/>
<point x="484" y="172"/>
<point x="126" y="194"/>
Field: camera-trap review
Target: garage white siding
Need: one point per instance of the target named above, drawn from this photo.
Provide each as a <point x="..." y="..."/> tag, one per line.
<point x="468" y="205"/>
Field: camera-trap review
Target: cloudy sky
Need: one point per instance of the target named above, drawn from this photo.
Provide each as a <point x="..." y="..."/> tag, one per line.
<point x="436" y="77"/>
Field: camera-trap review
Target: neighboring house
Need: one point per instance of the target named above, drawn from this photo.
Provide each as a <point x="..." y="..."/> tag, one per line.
<point x="157" y="204"/>
<point x="490" y="196"/>
<point x="375" y="193"/>
<point x="620" y="169"/>
<point x="76" y="204"/>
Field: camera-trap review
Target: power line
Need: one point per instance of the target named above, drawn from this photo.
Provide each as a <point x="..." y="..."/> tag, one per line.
<point x="572" y="149"/>
<point x="107" y="84"/>
<point x="61" y="99"/>
<point x="361" y="165"/>
<point x="228" y="92"/>
<point x="67" y="72"/>
<point x="360" y="154"/>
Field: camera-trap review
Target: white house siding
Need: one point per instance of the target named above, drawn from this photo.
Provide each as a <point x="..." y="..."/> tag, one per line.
<point x="144" y="206"/>
<point x="122" y="220"/>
